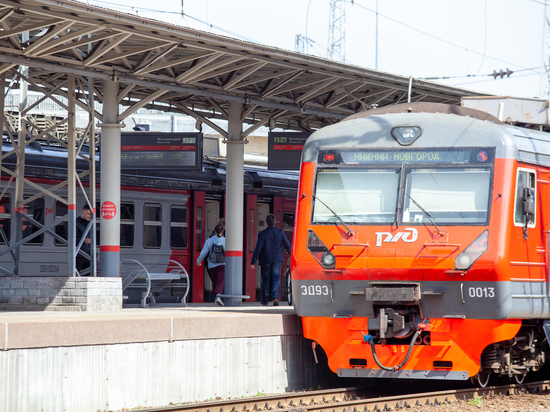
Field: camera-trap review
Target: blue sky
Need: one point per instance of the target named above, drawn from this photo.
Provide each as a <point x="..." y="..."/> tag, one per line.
<point x="423" y="38"/>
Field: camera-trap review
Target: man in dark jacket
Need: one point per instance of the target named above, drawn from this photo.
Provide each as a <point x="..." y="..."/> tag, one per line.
<point x="269" y="250"/>
<point x="81" y="225"/>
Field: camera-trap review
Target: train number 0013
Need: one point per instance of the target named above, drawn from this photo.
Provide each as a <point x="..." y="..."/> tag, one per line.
<point x="481" y="292"/>
<point x="312" y="290"/>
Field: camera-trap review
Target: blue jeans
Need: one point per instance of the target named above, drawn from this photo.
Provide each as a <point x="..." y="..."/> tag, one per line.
<point x="270" y="271"/>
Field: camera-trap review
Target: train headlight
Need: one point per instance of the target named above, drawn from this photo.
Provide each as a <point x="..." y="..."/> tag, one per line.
<point x="320" y="252"/>
<point x="405" y="135"/>
<point x="472" y="253"/>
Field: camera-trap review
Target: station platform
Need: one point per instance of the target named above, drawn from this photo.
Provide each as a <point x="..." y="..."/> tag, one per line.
<point x="153" y="357"/>
<point x="42" y="329"/>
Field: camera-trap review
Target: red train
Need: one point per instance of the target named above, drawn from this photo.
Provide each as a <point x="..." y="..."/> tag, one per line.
<point x="164" y="215"/>
<point x="421" y="245"/>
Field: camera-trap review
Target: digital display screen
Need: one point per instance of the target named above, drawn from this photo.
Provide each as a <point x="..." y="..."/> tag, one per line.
<point x="460" y="156"/>
<point x="285" y="150"/>
<point x="152" y="150"/>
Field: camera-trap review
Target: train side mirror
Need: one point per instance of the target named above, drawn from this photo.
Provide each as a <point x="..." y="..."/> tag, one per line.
<point x="529" y="204"/>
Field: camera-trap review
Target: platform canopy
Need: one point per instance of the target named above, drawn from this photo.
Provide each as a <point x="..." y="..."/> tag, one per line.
<point x="182" y="70"/>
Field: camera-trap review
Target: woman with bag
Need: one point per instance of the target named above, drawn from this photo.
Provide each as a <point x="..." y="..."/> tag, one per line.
<point x="214" y="247"/>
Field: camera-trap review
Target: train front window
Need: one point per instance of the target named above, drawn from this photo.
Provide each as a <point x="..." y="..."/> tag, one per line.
<point x="356" y="195"/>
<point x="450" y="196"/>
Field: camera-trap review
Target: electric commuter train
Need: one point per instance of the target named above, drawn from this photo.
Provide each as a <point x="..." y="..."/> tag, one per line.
<point x="165" y="214"/>
<point x="421" y="244"/>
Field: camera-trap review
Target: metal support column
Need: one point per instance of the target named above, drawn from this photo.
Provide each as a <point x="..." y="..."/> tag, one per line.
<point x="234" y="216"/>
<point x="71" y="177"/>
<point x="110" y="182"/>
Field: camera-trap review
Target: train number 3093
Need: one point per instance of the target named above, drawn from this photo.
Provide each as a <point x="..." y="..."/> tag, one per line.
<point x="481" y="292"/>
<point x="312" y="290"/>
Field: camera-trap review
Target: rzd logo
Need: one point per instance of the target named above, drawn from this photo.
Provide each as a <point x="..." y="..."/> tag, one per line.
<point x="409" y="235"/>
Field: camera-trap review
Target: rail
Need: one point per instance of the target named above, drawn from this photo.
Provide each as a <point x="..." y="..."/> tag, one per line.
<point x="163" y="273"/>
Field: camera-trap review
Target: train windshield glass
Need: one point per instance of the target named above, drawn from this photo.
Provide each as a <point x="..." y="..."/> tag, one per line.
<point x="450" y="196"/>
<point x="357" y="196"/>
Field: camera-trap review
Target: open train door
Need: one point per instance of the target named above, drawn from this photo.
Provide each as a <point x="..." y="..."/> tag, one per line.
<point x="251" y="235"/>
<point x="278" y="212"/>
<point x="197" y="276"/>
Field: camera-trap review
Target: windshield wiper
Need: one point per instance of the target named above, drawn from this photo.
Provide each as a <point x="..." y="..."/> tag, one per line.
<point x="350" y="233"/>
<point x="426" y="213"/>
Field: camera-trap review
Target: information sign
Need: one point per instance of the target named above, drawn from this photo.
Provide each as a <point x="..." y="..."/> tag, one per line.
<point x="154" y="150"/>
<point x="285" y="150"/>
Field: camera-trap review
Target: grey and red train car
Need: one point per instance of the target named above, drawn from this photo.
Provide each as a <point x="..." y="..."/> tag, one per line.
<point x="421" y="244"/>
<point x="164" y="215"/>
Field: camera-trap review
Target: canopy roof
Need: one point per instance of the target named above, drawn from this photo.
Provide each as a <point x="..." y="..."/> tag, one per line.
<point x="179" y="69"/>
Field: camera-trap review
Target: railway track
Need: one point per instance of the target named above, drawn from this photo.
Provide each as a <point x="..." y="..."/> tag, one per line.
<point x="352" y="400"/>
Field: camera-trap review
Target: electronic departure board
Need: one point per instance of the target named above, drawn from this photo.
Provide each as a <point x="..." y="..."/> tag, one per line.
<point x="154" y="150"/>
<point x="460" y="156"/>
<point x="284" y="150"/>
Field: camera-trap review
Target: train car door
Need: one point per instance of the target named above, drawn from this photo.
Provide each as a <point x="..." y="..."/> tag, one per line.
<point x="263" y="211"/>
<point x="250" y="237"/>
<point x="197" y="279"/>
<point x="212" y="209"/>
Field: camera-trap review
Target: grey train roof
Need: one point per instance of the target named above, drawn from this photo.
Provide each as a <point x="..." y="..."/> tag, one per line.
<point x="442" y="125"/>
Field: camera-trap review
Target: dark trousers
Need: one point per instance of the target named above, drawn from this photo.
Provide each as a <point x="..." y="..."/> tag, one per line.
<point x="81" y="264"/>
<point x="217" y="275"/>
<point x="270" y="272"/>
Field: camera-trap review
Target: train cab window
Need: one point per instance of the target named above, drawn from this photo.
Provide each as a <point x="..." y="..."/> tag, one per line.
<point x="61" y="229"/>
<point x="5" y="220"/>
<point x="288" y="225"/>
<point x="127" y="218"/>
<point x="178" y="227"/>
<point x="357" y="196"/>
<point x="152" y="226"/>
<point x="526" y="179"/>
<point x="251" y="227"/>
<point x="35" y="210"/>
<point x="449" y="196"/>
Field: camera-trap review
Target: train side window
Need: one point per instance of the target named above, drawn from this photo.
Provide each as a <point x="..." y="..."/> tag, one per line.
<point x="5" y="220"/>
<point x="198" y="237"/>
<point x="526" y="178"/>
<point x="288" y="225"/>
<point x="251" y="226"/>
<point x="97" y="222"/>
<point x="178" y="227"/>
<point x="62" y="228"/>
<point x="152" y="226"/>
<point x="35" y="210"/>
<point x="127" y="224"/>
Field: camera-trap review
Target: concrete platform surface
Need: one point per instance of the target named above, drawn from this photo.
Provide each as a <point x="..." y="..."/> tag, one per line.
<point x="21" y="330"/>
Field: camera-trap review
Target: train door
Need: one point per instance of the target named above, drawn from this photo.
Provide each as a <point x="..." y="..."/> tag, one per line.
<point x="278" y="212"/>
<point x="197" y="279"/>
<point x="212" y="209"/>
<point x="263" y="211"/>
<point x="250" y="237"/>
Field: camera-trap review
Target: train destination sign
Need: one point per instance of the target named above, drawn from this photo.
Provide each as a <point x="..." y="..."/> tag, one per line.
<point x="158" y="150"/>
<point x="284" y="150"/>
<point x="463" y="155"/>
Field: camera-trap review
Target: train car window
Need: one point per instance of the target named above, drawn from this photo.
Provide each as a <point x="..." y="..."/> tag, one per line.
<point x="35" y="210"/>
<point x="357" y="196"/>
<point x="450" y="196"/>
<point x="178" y="227"/>
<point x="5" y="220"/>
<point x="526" y="178"/>
<point x="152" y="226"/>
<point x="251" y="226"/>
<point x="62" y="228"/>
<point x="288" y="225"/>
<point x="127" y="224"/>
<point x="198" y="237"/>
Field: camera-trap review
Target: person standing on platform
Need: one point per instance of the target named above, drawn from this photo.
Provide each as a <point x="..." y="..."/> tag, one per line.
<point x="269" y="251"/>
<point x="81" y="225"/>
<point x="214" y="248"/>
